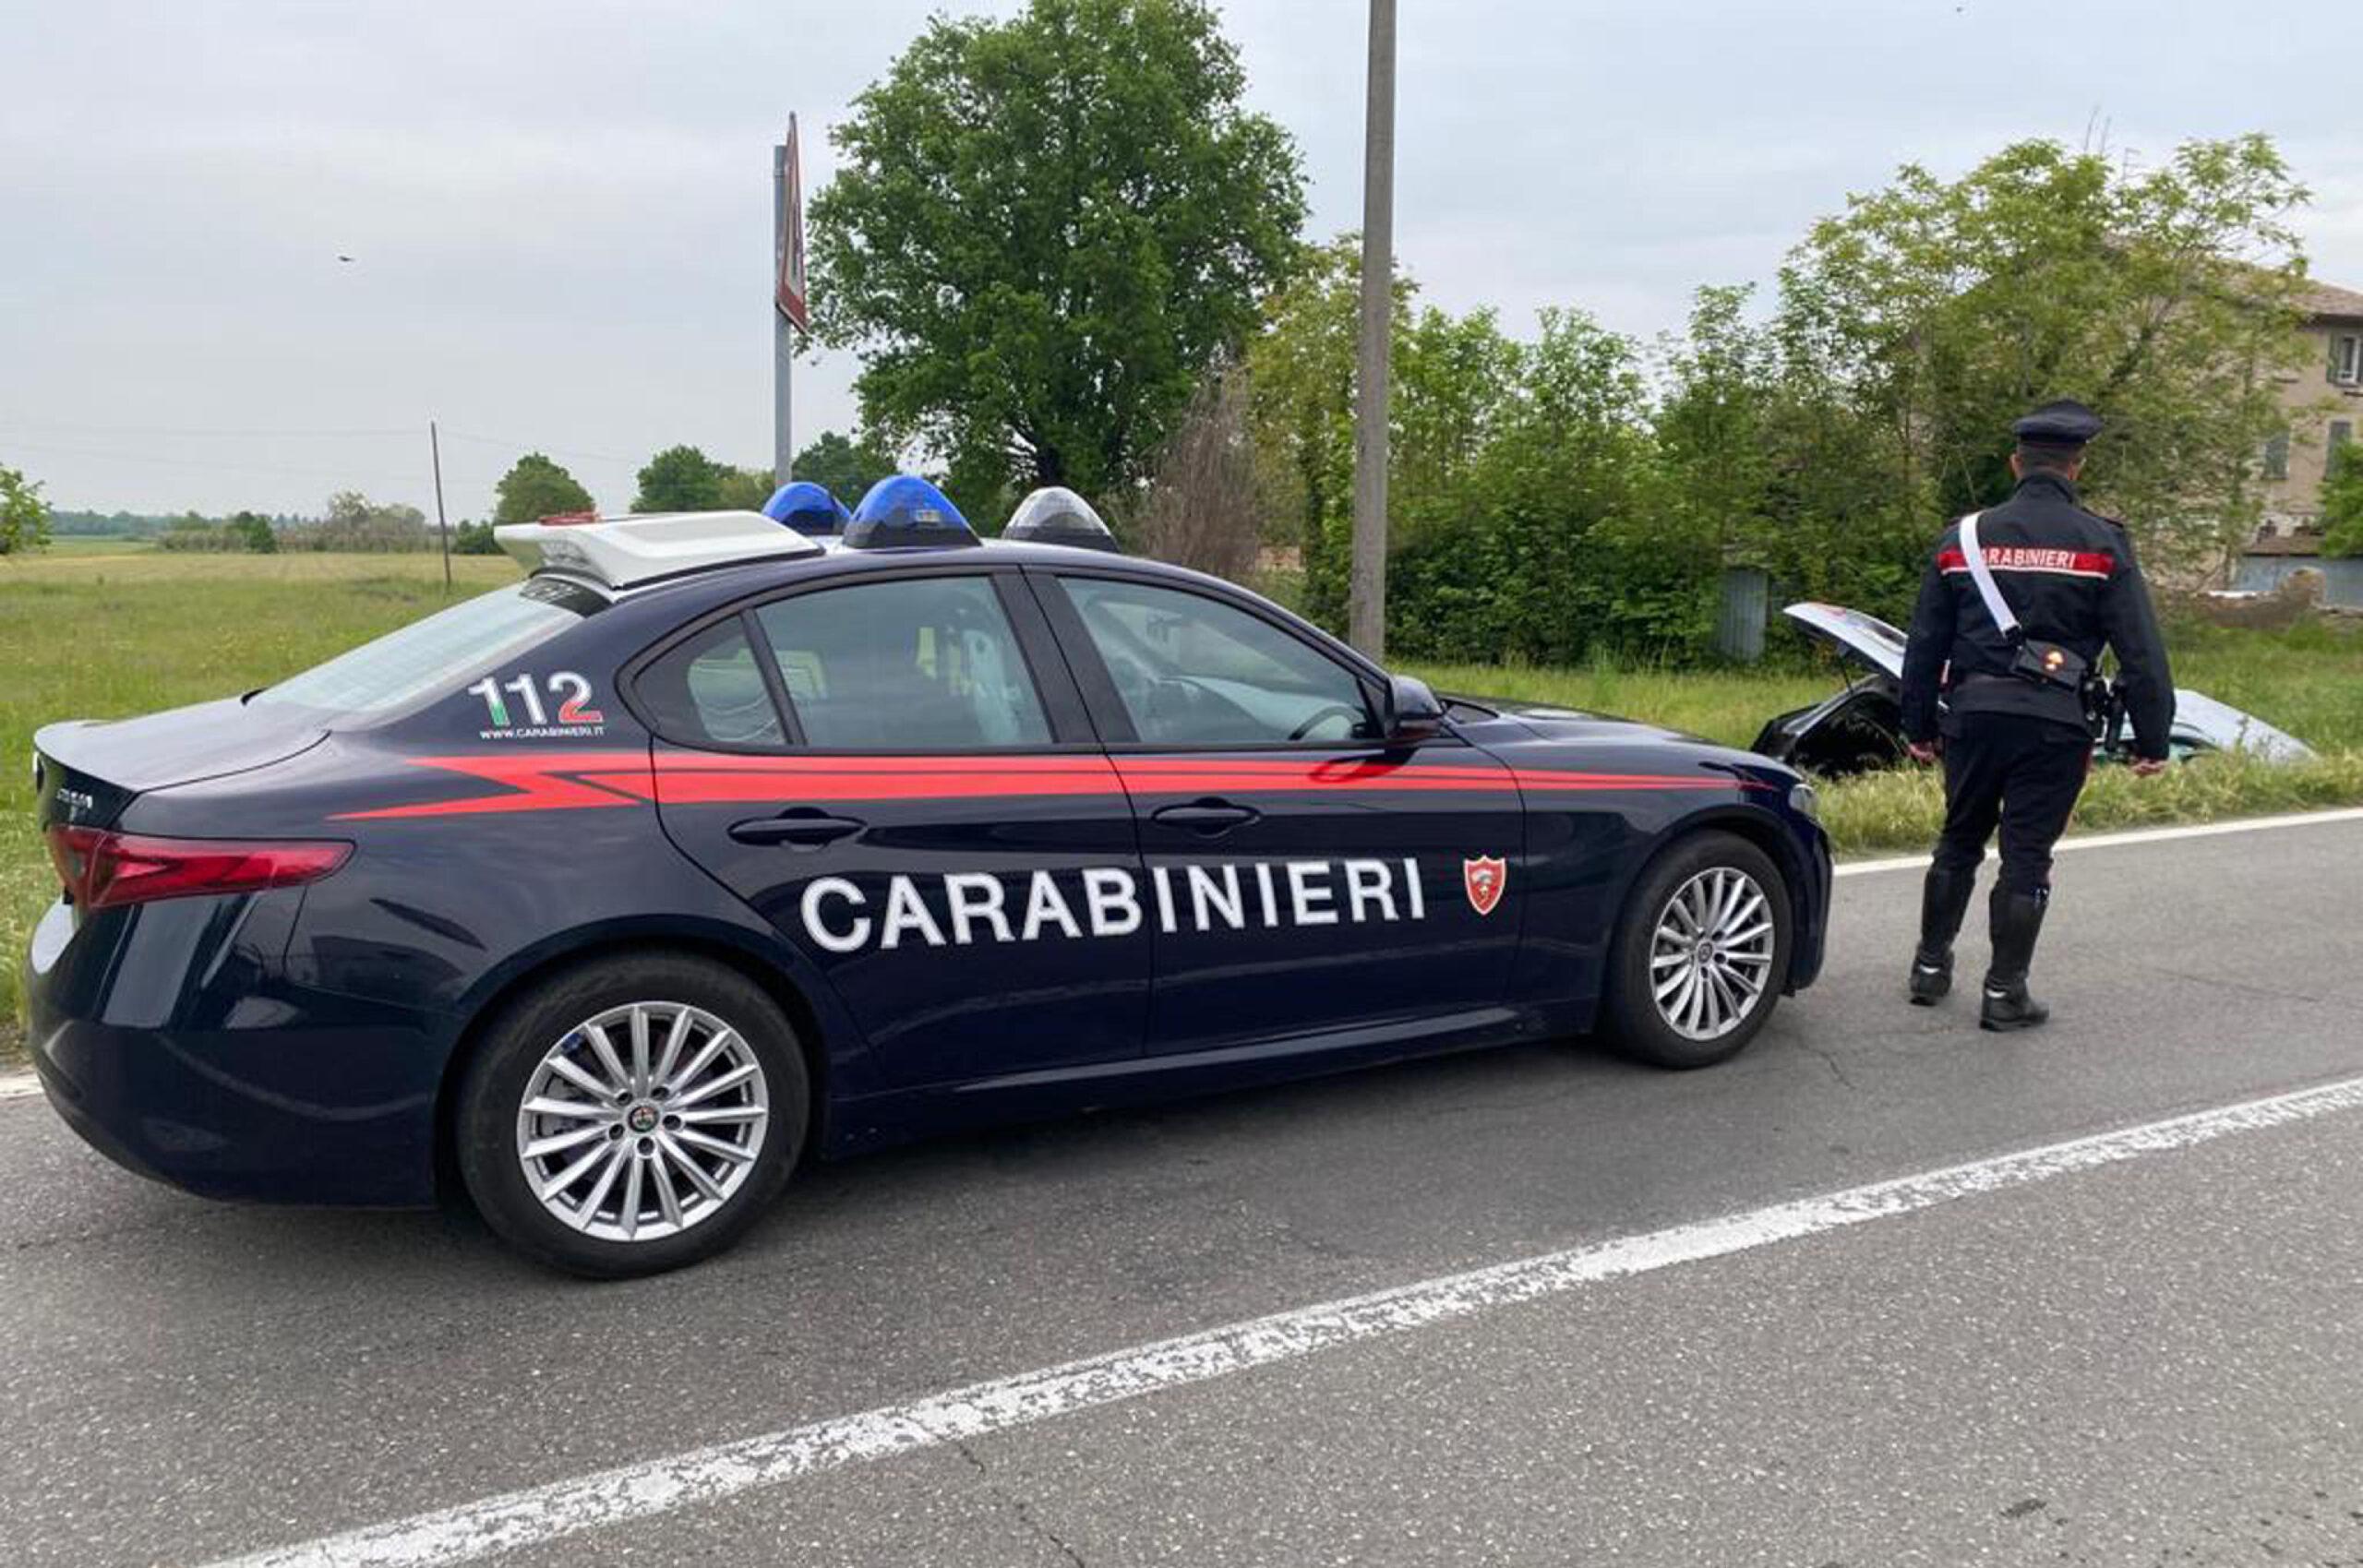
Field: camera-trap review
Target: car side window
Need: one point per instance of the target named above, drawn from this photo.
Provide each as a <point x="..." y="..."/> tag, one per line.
<point x="709" y="691"/>
<point x="1193" y="671"/>
<point x="922" y="664"/>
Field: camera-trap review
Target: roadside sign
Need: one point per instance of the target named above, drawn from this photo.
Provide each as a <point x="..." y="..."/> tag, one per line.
<point x="790" y="295"/>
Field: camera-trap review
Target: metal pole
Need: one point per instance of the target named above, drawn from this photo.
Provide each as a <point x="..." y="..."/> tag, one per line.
<point x="434" y="445"/>
<point x="782" y="335"/>
<point x="1366" y="596"/>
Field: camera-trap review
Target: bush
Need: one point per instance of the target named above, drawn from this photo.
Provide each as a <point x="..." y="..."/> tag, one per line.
<point x="1205" y="502"/>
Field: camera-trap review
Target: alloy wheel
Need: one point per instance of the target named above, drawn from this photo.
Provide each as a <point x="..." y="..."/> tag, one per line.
<point x="642" y="1120"/>
<point x="1710" y="954"/>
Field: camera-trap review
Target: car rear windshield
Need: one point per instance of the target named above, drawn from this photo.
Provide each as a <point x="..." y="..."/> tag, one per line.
<point x="430" y="656"/>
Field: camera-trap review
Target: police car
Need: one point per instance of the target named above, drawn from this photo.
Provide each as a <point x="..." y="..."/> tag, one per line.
<point x="710" y="845"/>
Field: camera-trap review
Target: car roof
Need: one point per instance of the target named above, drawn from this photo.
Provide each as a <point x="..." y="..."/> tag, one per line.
<point x="757" y="574"/>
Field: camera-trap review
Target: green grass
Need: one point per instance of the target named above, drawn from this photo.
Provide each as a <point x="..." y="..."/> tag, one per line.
<point x="1727" y="707"/>
<point x="103" y="634"/>
<point x="99" y="631"/>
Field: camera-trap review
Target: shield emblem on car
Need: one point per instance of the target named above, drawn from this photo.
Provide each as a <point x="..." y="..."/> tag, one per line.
<point x="1482" y="879"/>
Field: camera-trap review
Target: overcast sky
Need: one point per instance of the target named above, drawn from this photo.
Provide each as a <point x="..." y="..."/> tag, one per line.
<point x="558" y="212"/>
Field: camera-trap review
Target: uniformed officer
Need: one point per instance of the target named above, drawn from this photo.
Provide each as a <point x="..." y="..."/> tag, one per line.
<point x="2012" y="657"/>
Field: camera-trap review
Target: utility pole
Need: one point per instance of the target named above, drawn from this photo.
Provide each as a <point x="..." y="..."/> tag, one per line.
<point x="783" y="334"/>
<point x="434" y="445"/>
<point x="1366" y="592"/>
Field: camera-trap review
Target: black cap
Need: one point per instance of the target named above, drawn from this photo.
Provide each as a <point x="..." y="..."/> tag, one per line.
<point x="2066" y="423"/>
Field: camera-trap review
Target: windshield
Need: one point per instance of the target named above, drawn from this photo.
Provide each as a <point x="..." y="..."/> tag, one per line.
<point x="431" y="656"/>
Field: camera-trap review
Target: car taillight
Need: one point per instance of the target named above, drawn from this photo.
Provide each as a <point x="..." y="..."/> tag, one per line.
<point x="102" y="869"/>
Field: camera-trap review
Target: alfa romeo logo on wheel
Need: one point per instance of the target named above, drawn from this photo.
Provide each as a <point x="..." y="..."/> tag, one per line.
<point x="642" y="1119"/>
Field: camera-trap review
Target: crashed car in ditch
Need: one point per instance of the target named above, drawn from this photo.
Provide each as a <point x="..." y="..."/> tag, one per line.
<point x="1860" y="727"/>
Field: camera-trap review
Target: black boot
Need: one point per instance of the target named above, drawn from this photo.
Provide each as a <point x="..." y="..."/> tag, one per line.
<point x="2017" y="921"/>
<point x="1944" y="898"/>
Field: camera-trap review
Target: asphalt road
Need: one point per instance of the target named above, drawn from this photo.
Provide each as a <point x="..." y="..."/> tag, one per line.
<point x="2151" y="1362"/>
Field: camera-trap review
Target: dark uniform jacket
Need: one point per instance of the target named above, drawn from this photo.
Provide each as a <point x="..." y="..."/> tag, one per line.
<point x="2070" y="578"/>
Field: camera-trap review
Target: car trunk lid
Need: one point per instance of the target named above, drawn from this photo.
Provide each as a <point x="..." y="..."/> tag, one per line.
<point x="89" y="771"/>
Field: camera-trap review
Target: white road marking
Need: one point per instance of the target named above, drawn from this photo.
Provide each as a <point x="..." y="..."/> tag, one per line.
<point x="19" y="1085"/>
<point x="707" y="1476"/>
<point x="2134" y="835"/>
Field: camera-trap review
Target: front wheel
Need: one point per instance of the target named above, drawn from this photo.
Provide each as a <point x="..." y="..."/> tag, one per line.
<point x="631" y="1114"/>
<point x="1697" y="965"/>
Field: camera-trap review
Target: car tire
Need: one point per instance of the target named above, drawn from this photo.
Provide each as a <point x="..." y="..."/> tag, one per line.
<point x="1680" y="997"/>
<point x="699" y="1118"/>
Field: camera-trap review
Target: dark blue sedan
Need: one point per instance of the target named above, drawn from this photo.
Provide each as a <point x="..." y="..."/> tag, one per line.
<point x="611" y="894"/>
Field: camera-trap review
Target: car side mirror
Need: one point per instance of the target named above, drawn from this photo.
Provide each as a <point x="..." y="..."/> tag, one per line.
<point x="1412" y="710"/>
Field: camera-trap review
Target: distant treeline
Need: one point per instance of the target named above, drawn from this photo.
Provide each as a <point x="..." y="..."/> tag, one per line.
<point x="144" y="525"/>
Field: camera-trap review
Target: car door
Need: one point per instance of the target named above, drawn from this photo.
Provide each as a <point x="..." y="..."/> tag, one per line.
<point x="1305" y="875"/>
<point x="897" y="774"/>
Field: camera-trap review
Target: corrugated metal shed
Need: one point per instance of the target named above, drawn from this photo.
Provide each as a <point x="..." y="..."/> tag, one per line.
<point x="1739" y="620"/>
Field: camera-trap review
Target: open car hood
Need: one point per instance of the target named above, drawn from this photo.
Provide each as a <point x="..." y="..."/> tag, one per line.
<point x="1865" y="639"/>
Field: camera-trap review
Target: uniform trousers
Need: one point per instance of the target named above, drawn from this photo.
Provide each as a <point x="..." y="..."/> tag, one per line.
<point x="2021" y="774"/>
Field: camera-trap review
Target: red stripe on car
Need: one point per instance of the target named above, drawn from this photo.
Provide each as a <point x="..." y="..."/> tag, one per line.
<point x="577" y="781"/>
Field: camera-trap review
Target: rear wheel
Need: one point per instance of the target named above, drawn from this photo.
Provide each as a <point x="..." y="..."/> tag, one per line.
<point x="1697" y="965"/>
<point x="631" y="1114"/>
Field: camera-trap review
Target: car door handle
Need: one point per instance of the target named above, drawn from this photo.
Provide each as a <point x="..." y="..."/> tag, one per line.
<point x="1207" y="816"/>
<point x="805" y="827"/>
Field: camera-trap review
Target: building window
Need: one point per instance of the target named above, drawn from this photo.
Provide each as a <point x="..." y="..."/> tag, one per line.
<point x="2347" y="359"/>
<point x="2276" y="455"/>
<point x="2341" y="432"/>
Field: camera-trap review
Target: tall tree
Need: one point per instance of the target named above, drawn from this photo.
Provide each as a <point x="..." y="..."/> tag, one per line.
<point x="536" y="487"/>
<point x="846" y="468"/>
<point x="1043" y="230"/>
<point x="679" y="479"/>
<point x="2164" y="298"/>
<point x="1520" y="503"/>
<point x="24" y="516"/>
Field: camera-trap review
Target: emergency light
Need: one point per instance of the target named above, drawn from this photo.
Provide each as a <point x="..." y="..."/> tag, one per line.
<point x="906" y="512"/>
<point x="1056" y="515"/>
<point x="807" y="508"/>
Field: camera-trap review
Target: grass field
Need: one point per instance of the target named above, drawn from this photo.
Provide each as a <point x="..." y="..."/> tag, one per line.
<point x="98" y="634"/>
<point x="102" y="633"/>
